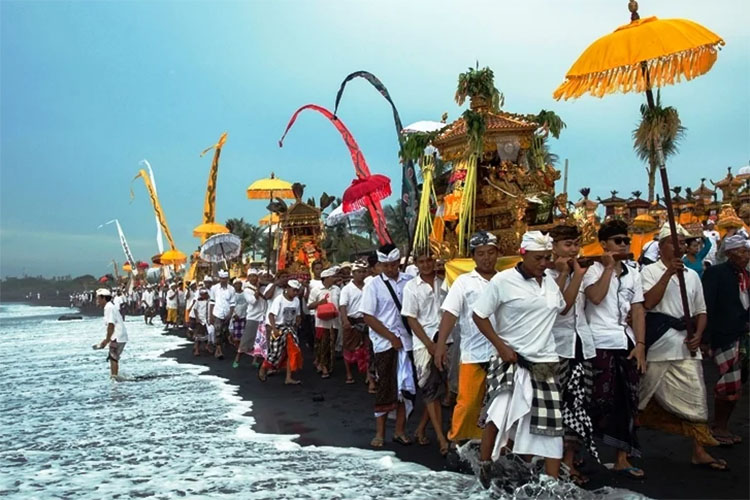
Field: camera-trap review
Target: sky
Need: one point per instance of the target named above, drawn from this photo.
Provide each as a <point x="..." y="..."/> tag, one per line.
<point x="89" y="89"/>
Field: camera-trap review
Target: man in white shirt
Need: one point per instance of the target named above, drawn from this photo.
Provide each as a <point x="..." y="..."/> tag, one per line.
<point x="381" y="306"/>
<point x="238" y="316"/>
<point x="422" y="299"/>
<point x="255" y="310"/>
<point x="117" y="334"/>
<point x="650" y="251"/>
<point x="221" y="309"/>
<point x="181" y="303"/>
<point x="713" y="235"/>
<point x="284" y="319"/>
<point x="199" y="318"/>
<point x="614" y="302"/>
<point x="673" y="395"/>
<point x="356" y="341"/>
<point x="523" y="398"/>
<point x="325" y="297"/>
<point x="147" y="301"/>
<point x="575" y="346"/>
<point x="119" y="302"/>
<point x="475" y="348"/>
<point x="171" y="306"/>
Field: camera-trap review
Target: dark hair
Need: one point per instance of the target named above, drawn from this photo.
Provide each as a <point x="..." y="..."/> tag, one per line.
<point x="387" y="248"/>
<point x="372" y="260"/>
<point x="316" y="262"/>
<point x="612" y="228"/>
<point x="564" y="232"/>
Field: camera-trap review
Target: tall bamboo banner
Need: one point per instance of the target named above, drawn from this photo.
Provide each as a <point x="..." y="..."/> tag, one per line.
<point x="159" y="238"/>
<point x="158" y="212"/>
<point x="209" y="205"/>
<point x="123" y="242"/>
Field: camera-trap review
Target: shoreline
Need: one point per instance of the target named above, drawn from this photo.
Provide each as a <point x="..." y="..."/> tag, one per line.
<point x="331" y="413"/>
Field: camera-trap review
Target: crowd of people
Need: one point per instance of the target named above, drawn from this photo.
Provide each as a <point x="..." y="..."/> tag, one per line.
<point x="538" y="359"/>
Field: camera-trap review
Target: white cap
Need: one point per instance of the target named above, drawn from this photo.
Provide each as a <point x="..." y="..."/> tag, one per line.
<point x="252" y="272"/>
<point x="329" y="273"/>
<point x="734" y="242"/>
<point x="103" y="292"/>
<point x="666" y="231"/>
<point x="223" y="274"/>
<point x="393" y="256"/>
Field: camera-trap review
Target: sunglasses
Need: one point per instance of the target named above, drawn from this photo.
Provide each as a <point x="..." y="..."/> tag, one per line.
<point x="619" y="240"/>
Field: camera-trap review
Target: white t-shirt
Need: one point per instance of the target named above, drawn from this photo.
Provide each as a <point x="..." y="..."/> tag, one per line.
<point x="524" y="312"/>
<point x="148" y="298"/>
<point x="331" y="295"/>
<point x="608" y="319"/>
<point x="278" y="291"/>
<point x="172" y="299"/>
<point x="422" y="302"/>
<point x="285" y="311"/>
<point x="671" y="346"/>
<point x="200" y="311"/>
<point x="715" y="238"/>
<point x="651" y="250"/>
<point x="223" y="300"/>
<point x="573" y="325"/>
<point x="462" y="296"/>
<point x="112" y="315"/>
<point x="378" y="302"/>
<point x="351" y="297"/>
<point x="240" y="304"/>
<point x="256" y="306"/>
<point x="118" y="301"/>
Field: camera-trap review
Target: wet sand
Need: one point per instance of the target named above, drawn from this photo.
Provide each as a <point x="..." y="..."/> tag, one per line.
<point x="329" y="412"/>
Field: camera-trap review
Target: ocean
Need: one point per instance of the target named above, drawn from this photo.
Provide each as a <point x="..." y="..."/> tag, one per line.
<point x="169" y="430"/>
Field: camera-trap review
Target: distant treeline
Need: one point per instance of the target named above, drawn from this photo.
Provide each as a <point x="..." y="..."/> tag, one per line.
<point x="12" y="289"/>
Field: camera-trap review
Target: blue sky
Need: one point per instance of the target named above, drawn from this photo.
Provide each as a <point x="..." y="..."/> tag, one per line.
<point x="88" y="89"/>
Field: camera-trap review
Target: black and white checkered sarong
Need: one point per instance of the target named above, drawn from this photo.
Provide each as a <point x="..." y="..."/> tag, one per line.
<point x="576" y="385"/>
<point x="546" y="403"/>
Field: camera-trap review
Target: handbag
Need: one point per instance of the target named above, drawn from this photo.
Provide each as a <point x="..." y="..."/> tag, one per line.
<point x="326" y="311"/>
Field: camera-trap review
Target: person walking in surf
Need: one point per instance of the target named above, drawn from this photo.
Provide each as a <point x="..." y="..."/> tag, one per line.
<point x="117" y="335"/>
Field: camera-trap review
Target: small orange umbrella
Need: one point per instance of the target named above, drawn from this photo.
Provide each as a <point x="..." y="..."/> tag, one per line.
<point x="269" y="220"/>
<point x="209" y="229"/>
<point x="173" y="256"/>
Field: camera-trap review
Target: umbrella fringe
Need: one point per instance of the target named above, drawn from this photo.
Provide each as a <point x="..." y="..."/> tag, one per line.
<point x="662" y="71"/>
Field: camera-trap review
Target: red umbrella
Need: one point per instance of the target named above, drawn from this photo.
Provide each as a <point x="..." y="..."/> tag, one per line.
<point x="142" y="265"/>
<point x="366" y="192"/>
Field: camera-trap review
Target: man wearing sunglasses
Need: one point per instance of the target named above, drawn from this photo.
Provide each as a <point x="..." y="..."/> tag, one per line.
<point x="614" y="309"/>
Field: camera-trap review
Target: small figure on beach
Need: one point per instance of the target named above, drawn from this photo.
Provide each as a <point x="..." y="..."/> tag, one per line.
<point x="116" y="333"/>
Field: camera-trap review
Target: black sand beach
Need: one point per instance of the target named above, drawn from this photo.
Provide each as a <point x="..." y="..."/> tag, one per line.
<point x="329" y="412"/>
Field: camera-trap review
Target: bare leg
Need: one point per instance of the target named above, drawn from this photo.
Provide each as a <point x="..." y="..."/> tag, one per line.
<point x="400" y="420"/>
<point x="423" y="421"/>
<point x="289" y="379"/>
<point x="722" y="411"/>
<point x="489" y="435"/>
<point x="552" y="467"/>
<point x="113" y="367"/>
<point x="349" y="375"/>
<point x="436" y="417"/>
<point x="622" y="462"/>
<point x="380" y="429"/>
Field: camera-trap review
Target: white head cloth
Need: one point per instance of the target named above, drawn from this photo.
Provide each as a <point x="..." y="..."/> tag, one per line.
<point x="734" y="242"/>
<point x="329" y="273"/>
<point x="666" y="232"/>
<point x="103" y="292"/>
<point x="393" y="256"/>
<point x="294" y="284"/>
<point x="359" y="266"/>
<point x="536" y="241"/>
<point x="252" y="271"/>
<point x="223" y="274"/>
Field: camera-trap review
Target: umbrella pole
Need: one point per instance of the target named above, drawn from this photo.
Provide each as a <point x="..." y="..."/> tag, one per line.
<point x="675" y="241"/>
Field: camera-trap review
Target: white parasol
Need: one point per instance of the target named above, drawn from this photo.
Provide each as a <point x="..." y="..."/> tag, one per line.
<point x="221" y="247"/>
<point x="337" y="215"/>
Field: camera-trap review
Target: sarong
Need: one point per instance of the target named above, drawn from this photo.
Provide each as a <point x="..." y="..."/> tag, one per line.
<point x="282" y="348"/>
<point x="430" y="380"/>
<point x="260" y="346"/>
<point x="247" y="341"/>
<point x="394" y="382"/>
<point x="576" y="387"/>
<point x="615" y="401"/>
<point x="171" y="315"/>
<point x="221" y="329"/>
<point x="201" y="333"/>
<point x="673" y="400"/>
<point x="471" y="388"/>
<point x="324" y="348"/>
<point x="355" y="347"/>
<point x="115" y="350"/>
<point x="238" y="327"/>
<point x="729" y="385"/>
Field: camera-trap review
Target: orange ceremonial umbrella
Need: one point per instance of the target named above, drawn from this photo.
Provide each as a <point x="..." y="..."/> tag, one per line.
<point x="268" y="189"/>
<point x="269" y="220"/>
<point x="173" y="256"/>
<point x="636" y="57"/>
<point x="208" y="229"/>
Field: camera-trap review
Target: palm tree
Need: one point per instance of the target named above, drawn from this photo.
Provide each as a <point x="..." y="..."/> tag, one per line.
<point x="397" y="227"/>
<point x="657" y="124"/>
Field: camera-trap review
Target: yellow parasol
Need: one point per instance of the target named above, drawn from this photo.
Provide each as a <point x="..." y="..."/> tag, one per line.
<point x="269" y="219"/>
<point x="173" y="256"/>
<point x="636" y="57"/>
<point x="208" y="229"/>
<point x="127" y="267"/>
<point x="268" y="189"/>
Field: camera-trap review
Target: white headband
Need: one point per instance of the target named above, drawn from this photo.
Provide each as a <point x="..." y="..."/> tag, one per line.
<point x="536" y="241"/>
<point x="329" y="273"/>
<point x="734" y="242"/>
<point x="666" y="231"/>
<point x="393" y="256"/>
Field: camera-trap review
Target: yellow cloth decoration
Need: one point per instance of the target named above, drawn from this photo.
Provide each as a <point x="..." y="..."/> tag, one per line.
<point x="670" y="49"/>
<point x="155" y="203"/>
<point x="438" y="229"/>
<point x="424" y="221"/>
<point x="456" y="267"/>
<point x="209" y="205"/>
<point x="466" y="213"/>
